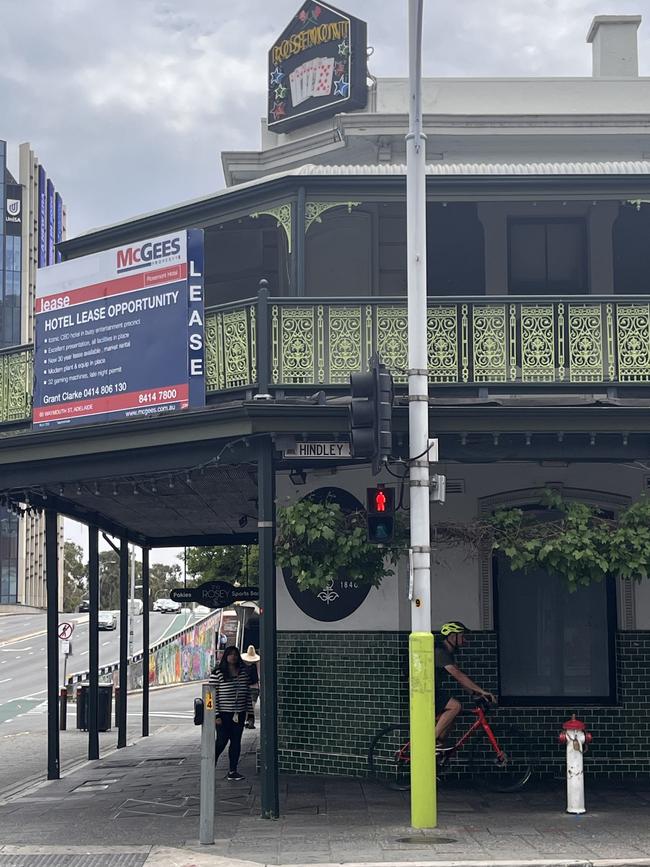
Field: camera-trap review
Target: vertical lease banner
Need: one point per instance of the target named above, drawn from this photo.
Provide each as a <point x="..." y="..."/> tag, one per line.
<point x="196" y="359"/>
<point x="119" y="334"/>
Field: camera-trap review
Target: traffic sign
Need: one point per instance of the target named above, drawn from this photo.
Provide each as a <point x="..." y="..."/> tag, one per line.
<point x="65" y="631"/>
<point x="318" y="451"/>
<point x="215" y="594"/>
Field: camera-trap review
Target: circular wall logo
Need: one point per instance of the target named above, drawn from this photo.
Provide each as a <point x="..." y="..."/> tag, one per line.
<point x="342" y="596"/>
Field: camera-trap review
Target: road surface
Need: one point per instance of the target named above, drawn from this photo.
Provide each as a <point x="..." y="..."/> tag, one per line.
<point x="23" y="654"/>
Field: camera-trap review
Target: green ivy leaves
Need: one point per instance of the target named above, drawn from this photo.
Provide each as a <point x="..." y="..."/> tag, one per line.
<point x="578" y="542"/>
<point x="319" y="542"/>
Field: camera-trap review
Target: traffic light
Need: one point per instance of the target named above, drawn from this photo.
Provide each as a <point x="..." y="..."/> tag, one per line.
<point x="371" y="411"/>
<point x="380" y="514"/>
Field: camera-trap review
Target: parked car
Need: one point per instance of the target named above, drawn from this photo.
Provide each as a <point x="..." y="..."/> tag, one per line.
<point x="84" y="605"/>
<point x="166" y="606"/>
<point x="135" y="606"/>
<point x="107" y="620"/>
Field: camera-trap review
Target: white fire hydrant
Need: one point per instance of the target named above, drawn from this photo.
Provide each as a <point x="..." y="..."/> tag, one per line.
<point x="576" y="737"/>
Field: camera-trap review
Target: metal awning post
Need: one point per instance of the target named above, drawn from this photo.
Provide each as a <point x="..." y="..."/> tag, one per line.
<point x="124" y="639"/>
<point x="92" y="705"/>
<point x="52" y="578"/>
<point x="268" y="648"/>
<point x="145" y="642"/>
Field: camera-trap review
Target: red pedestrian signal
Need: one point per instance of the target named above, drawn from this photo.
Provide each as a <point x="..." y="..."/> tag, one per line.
<point x="380" y="514"/>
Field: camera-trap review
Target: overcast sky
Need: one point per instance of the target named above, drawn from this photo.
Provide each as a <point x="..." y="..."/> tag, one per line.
<point x="129" y="104"/>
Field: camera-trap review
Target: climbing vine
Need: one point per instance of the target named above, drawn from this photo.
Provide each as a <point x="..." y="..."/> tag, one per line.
<point x="579" y="542"/>
<point x="321" y="542"/>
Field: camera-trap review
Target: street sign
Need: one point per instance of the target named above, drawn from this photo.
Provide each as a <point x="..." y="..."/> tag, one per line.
<point x="215" y="594"/>
<point x="66" y="647"/>
<point x="65" y="631"/>
<point x="320" y="451"/>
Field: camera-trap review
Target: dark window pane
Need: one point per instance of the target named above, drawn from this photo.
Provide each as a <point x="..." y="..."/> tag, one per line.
<point x="547" y="256"/>
<point x="8" y="557"/>
<point x="552" y="643"/>
<point x="338" y="255"/>
<point x="632" y="251"/>
<point x="455" y="250"/>
<point x="566" y="254"/>
<point x="528" y="254"/>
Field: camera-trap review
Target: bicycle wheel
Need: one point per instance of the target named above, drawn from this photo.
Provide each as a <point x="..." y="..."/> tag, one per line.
<point x="389" y="757"/>
<point x="509" y="773"/>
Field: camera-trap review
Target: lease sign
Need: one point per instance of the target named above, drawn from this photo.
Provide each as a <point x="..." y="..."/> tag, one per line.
<point x="119" y="334"/>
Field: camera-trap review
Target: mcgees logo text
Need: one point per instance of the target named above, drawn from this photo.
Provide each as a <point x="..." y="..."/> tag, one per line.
<point x="13" y="210"/>
<point x="146" y="255"/>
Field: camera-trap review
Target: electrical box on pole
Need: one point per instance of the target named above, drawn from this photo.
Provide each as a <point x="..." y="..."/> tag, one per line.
<point x="380" y="514"/>
<point x="371" y="414"/>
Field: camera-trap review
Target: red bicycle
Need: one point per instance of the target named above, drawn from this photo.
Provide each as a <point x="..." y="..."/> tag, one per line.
<point x="500" y="760"/>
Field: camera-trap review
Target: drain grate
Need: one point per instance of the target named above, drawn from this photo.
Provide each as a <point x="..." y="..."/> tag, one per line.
<point x="422" y="840"/>
<point x="83" y="859"/>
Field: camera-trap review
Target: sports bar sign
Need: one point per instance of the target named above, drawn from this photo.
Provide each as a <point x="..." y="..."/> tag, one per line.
<point x="119" y="334"/>
<point x="317" y="67"/>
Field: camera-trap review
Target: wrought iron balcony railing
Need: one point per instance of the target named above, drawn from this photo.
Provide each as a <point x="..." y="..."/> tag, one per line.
<point x="479" y="342"/>
<point x="16" y="376"/>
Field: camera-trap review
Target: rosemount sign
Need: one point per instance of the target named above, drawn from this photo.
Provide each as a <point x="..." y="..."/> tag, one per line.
<point x="317" y="68"/>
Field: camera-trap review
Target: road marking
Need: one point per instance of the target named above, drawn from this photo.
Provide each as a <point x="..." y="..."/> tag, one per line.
<point x="104" y="643"/>
<point x="31" y="695"/>
<point x="6" y="680"/>
<point x="84" y="652"/>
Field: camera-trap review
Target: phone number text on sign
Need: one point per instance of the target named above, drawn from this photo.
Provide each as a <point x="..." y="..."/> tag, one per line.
<point x="159" y="396"/>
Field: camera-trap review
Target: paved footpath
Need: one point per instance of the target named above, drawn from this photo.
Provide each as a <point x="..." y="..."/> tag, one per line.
<point x="140" y="806"/>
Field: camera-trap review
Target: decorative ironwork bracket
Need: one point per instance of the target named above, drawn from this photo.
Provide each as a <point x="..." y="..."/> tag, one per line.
<point x="313" y="210"/>
<point x="283" y="215"/>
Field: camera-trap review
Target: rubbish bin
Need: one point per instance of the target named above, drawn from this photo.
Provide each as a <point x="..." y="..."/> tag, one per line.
<point x="104" y="710"/>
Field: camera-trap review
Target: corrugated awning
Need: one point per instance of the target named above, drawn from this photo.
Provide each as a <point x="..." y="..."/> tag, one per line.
<point x="610" y="168"/>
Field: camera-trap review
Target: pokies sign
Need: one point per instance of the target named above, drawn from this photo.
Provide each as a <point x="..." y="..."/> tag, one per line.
<point x="317" y="67"/>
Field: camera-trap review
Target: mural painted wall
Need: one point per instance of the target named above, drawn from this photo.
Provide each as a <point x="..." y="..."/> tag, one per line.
<point x="187" y="656"/>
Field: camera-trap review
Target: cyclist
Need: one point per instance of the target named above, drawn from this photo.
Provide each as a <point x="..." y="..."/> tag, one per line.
<point x="446" y="673"/>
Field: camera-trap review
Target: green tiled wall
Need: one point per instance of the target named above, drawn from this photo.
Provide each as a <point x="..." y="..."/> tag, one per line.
<point x="336" y="689"/>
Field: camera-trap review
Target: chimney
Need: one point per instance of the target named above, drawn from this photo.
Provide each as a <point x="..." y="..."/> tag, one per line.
<point x="614" y="48"/>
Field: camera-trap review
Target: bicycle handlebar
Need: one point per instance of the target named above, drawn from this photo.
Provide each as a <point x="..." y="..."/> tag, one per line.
<point x="482" y="702"/>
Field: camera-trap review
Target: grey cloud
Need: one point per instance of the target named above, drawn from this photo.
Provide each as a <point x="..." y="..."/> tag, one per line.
<point x="129" y="104"/>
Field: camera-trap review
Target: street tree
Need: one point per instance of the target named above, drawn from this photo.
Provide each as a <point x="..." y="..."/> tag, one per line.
<point x="75" y="576"/>
<point x="231" y="563"/>
<point x="163" y="577"/>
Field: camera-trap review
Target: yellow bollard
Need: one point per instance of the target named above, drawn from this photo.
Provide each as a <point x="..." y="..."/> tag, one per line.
<point x="424" y="808"/>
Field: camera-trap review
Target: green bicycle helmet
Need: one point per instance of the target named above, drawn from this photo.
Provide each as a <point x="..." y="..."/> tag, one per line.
<point x="452" y="628"/>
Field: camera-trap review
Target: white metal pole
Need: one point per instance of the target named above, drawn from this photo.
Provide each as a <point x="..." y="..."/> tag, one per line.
<point x="417" y="331"/>
<point x="421" y="652"/>
<point x="206" y="788"/>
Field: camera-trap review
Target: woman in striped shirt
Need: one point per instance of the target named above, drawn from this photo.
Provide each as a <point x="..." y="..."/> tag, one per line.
<point x="231" y="680"/>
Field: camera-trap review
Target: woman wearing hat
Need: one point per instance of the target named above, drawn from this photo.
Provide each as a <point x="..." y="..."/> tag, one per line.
<point x="251" y="658"/>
